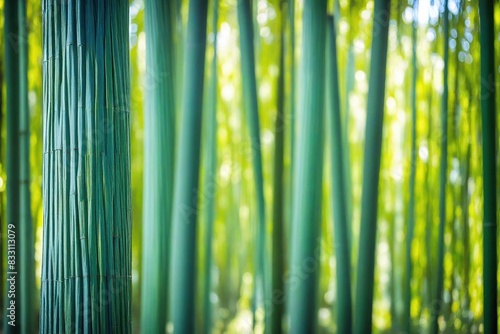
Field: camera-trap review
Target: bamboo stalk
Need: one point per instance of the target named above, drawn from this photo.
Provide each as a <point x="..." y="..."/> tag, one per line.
<point x="27" y="288"/>
<point x="185" y="209"/>
<point x="251" y="108"/>
<point x="86" y="265"/>
<point x="210" y="175"/>
<point x="304" y="263"/>
<point x="371" y="169"/>
<point x="413" y="168"/>
<point x="2" y="161"/>
<point x="13" y="83"/>
<point x="278" y="251"/>
<point x="489" y="143"/>
<point x="341" y="222"/>
<point x="159" y="146"/>
<point x="437" y="303"/>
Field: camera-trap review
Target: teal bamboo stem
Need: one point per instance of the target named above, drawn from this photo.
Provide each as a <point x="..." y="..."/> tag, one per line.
<point x="349" y="86"/>
<point x="489" y="143"/>
<point x="86" y="256"/>
<point x="429" y="202"/>
<point x="210" y="174"/>
<point x="179" y="41"/>
<point x="185" y="209"/>
<point x="371" y="169"/>
<point x="2" y="227"/>
<point x="413" y="169"/>
<point x="27" y="239"/>
<point x="291" y="20"/>
<point x="341" y="222"/>
<point x="13" y="226"/>
<point x="292" y="115"/>
<point x="251" y="108"/>
<point x="278" y="253"/>
<point x="159" y="144"/>
<point x="466" y="229"/>
<point x="437" y="302"/>
<point x="304" y="263"/>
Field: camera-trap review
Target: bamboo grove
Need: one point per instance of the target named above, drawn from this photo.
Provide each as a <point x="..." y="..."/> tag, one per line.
<point x="249" y="166"/>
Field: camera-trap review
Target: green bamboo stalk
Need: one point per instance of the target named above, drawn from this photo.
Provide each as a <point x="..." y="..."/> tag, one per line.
<point x="292" y="115"/>
<point x="27" y="286"/>
<point x="413" y="169"/>
<point x="278" y="252"/>
<point x="349" y="86"/>
<point x="210" y="175"/>
<point x="2" y="161"/>
<point x="13" y="90"/>
<point x="291" y="20"/>
<point x="489" y="142"/>
<point x="429" y="201"/>
<point x="466" y="231"/>
<point x="86" y="264"/>
<point x="251" y="108"/>
<point x="159" y="144"/>
<point x="371" y="169"/>
<point x="341" y="222"/>
<point x="179" y="41"/>
<point x="438" y="299"/>
<point x="308" y="172"/>
<point x="185" y="209"/>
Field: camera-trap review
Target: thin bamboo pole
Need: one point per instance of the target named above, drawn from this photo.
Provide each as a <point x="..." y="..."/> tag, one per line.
<point x="304" y="263"/>
<point x="159" y="144"/>
<point x="250" y="100"/>
<point x="278" y="250"/>
<point x="489" y="143"/>
<point x="185" y="209"/>
<point x="371" y="169"/>
<point x="340" y="210"/>
<point x="413" y="170"/>
<point x="210" y="175"/>
<point x="13" y="226"/>
<point x="27" y="288"/>
<point x="437" y="303"/>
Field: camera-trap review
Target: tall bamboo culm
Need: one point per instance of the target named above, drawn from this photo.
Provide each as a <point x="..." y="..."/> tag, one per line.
<point x="437" y="302"/>
<point x="340" y="209"/>
<point x="86" y="257"/>
<point x="278" y="237"/>
<point x="13" y="226"/>
<point x="159" y="144"/>
<point x="187" y="168"/>
<point x="27" y="265"/>
<point x="371" y="169"/>
<point x="308" y="167"/>
<point x="413" y="169"/>
<point x="489" y="143"/>
<point x="19" y="220"/>
<point x="251" y="108"/>
<point x="210" y="178"/>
